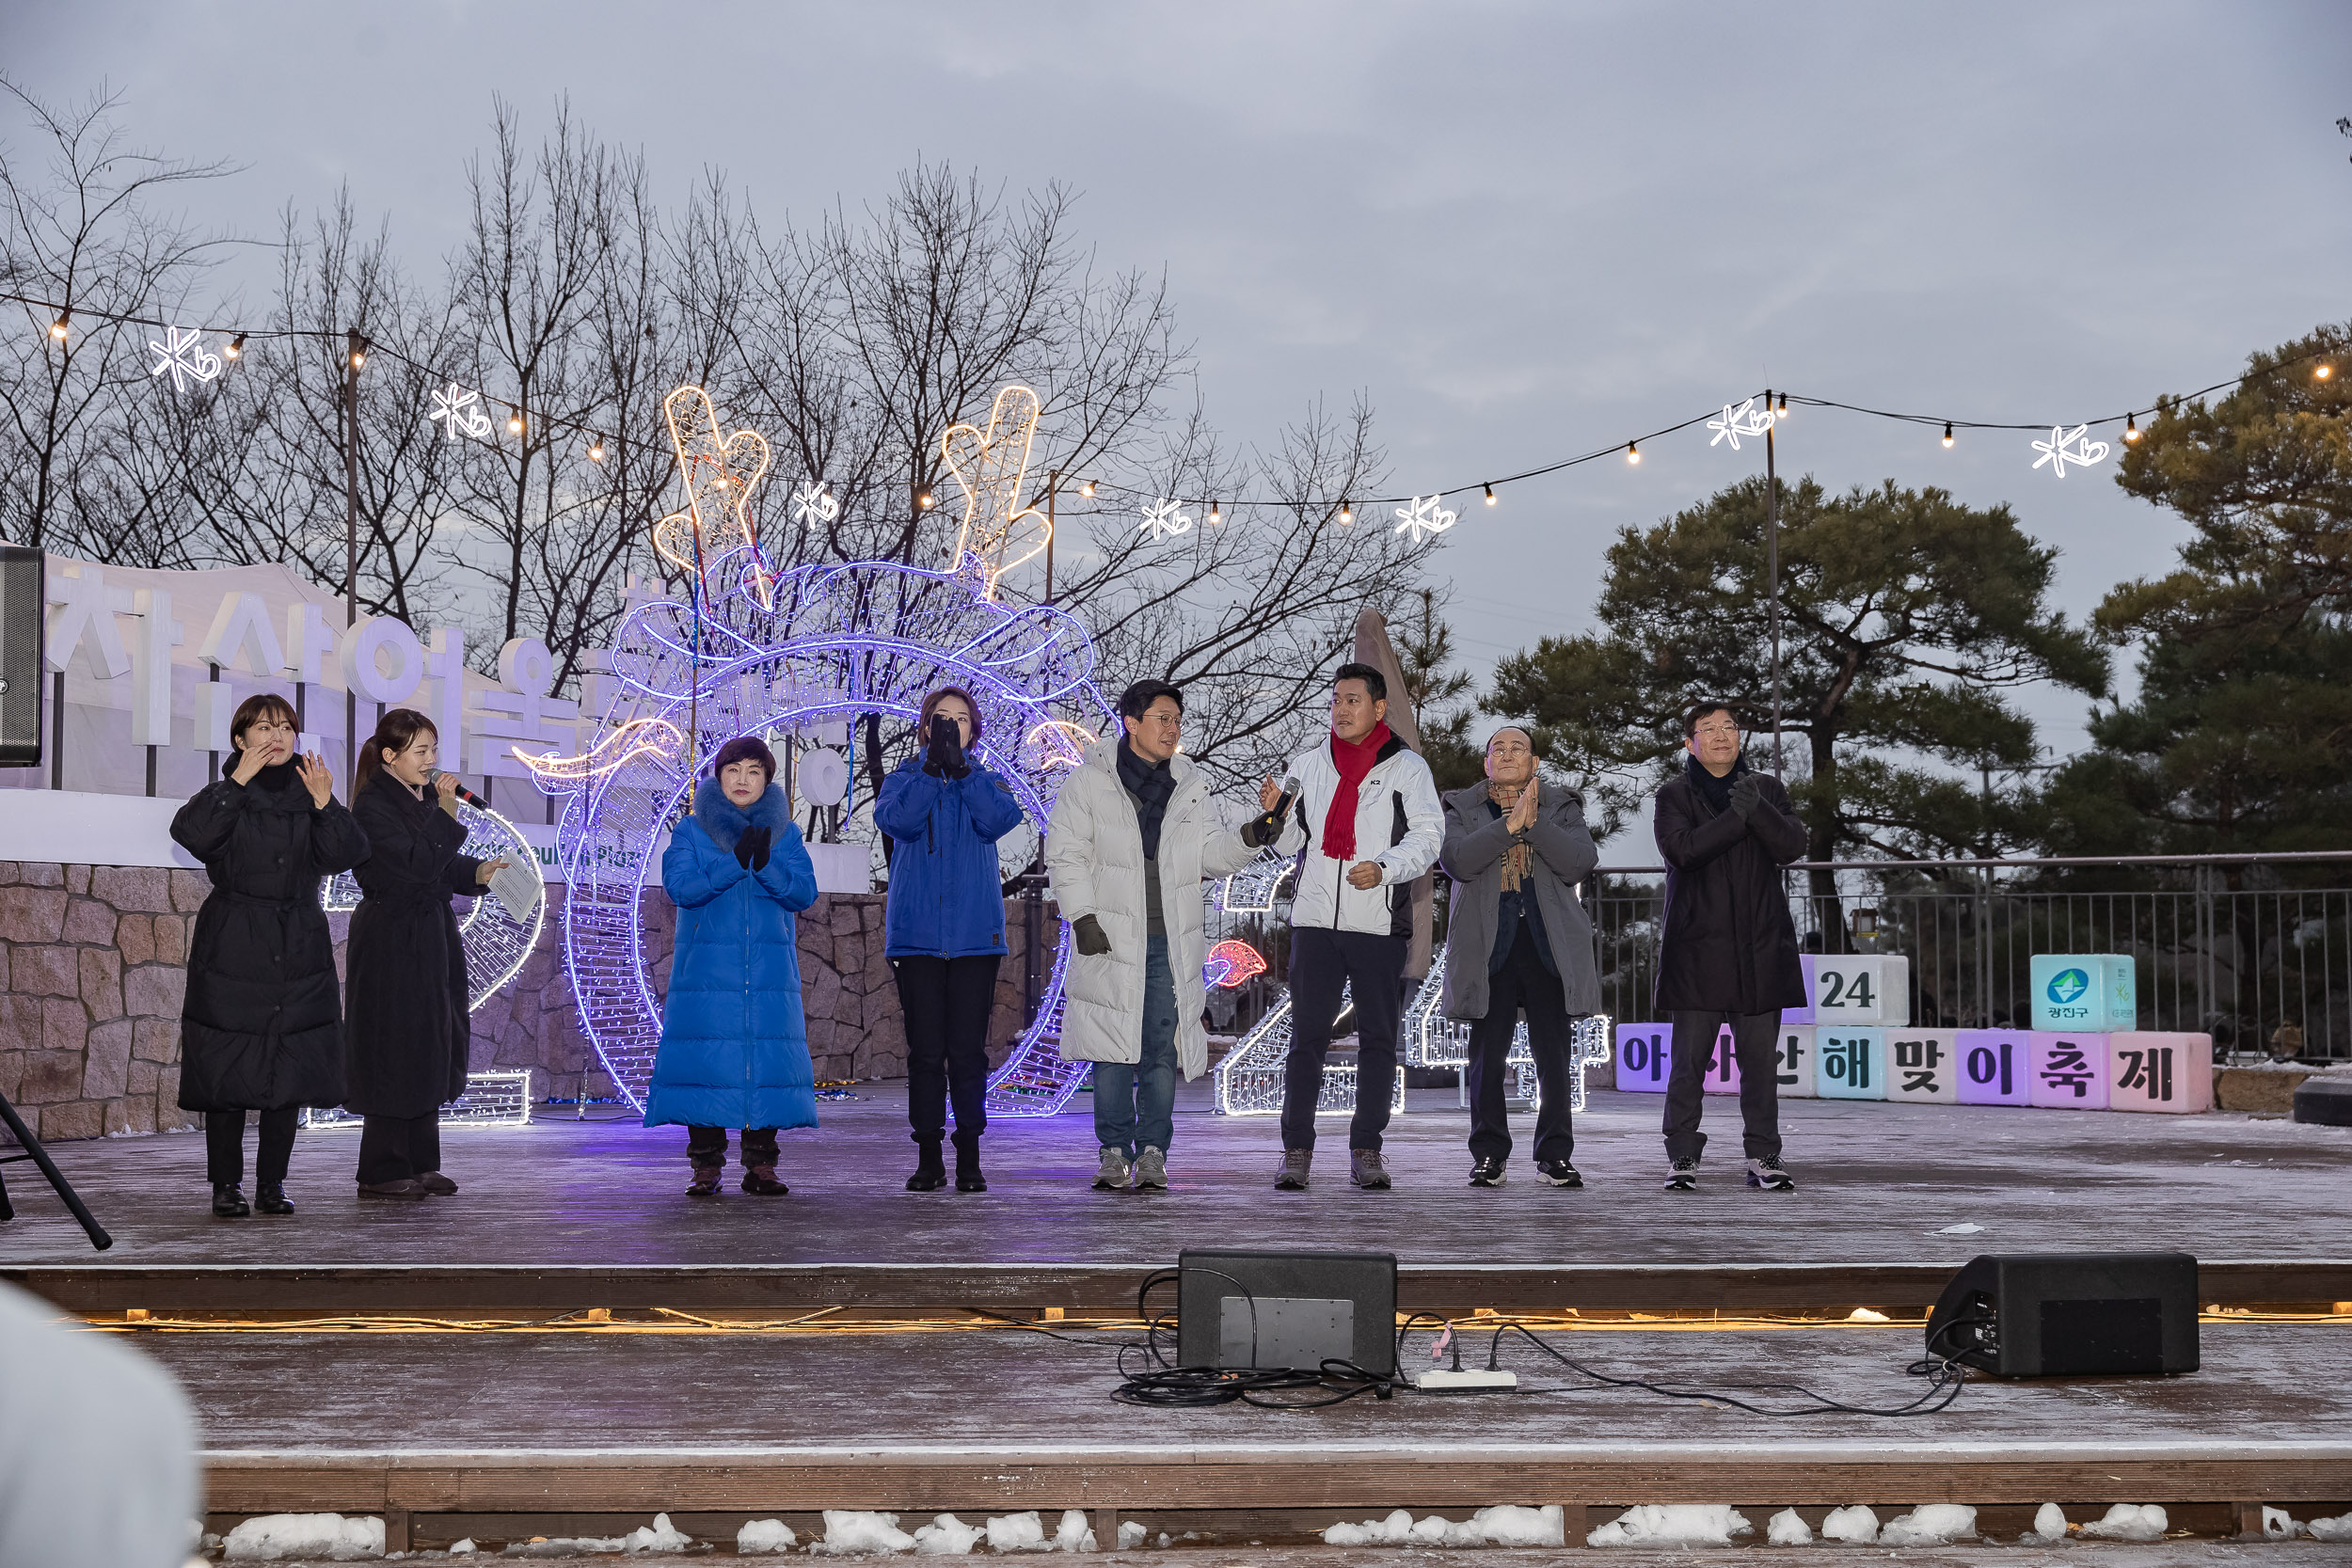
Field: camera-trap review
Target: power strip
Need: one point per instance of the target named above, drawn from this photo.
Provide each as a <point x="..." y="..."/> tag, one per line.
<point x="1436" y="1380"/>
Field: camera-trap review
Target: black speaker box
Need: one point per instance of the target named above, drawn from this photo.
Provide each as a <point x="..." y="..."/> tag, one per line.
<point x="2070" y="1314"/>
<point x="1286" y="1309"/>
<point x="23" y="637"/>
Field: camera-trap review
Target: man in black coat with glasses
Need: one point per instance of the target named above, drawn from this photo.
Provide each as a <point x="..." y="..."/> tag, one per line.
<point x="1729" y="953"/>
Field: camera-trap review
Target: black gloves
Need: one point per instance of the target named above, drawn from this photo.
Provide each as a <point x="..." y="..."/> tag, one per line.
<point x="1263" y="829"/>
<point x="1088" y="931"/>
<point x="751" y="850"/>
<point x="1746" y="791"/>
<point x="944" y="756"/>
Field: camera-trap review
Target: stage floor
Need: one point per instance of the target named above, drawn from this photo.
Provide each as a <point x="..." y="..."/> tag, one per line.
<point x="1878" y="1184"/>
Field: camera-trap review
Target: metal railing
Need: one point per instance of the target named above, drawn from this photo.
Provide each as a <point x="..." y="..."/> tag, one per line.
<point x="2250" y="949"/>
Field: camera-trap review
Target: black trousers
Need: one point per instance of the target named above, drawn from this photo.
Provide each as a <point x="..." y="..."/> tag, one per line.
<point x="1322" y="961"/>
<point x="224" y="1146"/>
<point x="1521" y="982"/>
<point x="706" y="1147"/>
<point x="946" y="1003"/>
<point x="394" y="1149"/>
<point x="1754" y="1043"/>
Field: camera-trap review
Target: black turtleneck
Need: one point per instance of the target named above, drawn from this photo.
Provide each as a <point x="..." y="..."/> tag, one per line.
<point x="1718" y="791"/>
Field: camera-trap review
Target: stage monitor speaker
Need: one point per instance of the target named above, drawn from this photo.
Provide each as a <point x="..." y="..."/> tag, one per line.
<point x="1286" y="1309"/>
<point x="2070" y="1314"/>
<point x="23" y="637"/>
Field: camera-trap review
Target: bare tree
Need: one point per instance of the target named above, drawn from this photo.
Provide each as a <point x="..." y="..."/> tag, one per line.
<point x="83" y="236"/>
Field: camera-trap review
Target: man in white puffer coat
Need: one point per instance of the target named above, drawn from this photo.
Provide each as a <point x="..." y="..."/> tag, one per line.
<point x="1131" y="840"/>
<point x="1366" y="823"/>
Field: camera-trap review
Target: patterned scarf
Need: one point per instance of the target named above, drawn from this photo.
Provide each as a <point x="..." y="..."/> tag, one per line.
<point x="1354" y="762"/>
<point x="1514" y="859"/>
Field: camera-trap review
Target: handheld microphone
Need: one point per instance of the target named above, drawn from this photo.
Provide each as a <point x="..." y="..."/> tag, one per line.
<point x="463" y="793"/>
<point x="1291" y="786"/>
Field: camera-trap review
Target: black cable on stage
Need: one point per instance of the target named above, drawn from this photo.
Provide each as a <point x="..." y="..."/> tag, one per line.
<point x="1167" y="1386"/>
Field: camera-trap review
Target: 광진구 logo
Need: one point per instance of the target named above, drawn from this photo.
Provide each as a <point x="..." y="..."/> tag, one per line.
<point x="2068" y="984"/>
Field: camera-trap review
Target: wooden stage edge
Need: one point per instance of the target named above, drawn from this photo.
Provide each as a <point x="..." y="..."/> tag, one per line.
<point x="106" y="1290"/>
<point x="1348" y="1479"/>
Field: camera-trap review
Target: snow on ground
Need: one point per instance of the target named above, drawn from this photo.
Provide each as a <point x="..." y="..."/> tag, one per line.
<point x="1930" y="1524"/>
<point x="1502" y="1526"/>
<point x="2130" y="1522"/>
<point x="275" y="1537"/>
<point x="1672" y="1524"/>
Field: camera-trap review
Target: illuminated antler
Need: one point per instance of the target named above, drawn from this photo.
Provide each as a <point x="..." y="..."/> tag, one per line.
<point x="992" y="466"/>
<point x="720" y="473"/>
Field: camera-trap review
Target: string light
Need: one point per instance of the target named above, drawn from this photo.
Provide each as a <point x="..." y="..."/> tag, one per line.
<point x="235" y="349"/>
<point x="62" y="326"/>
<point x="925" y="499"/>
<point x="596" y="448"/>
<point x="1948" y="432"/>
<point x="1782" y="412"/>
<point x="1087" y="489"/>
<point x="2322" y="371"/>
<point x="515" y="422"/>
<point x="1632" y="453"/>
<point x="360" y="355"/>
<point x="2131" y="428"/>
<point x="1215" y="515"/>
<point x="1490" y="494"/>
<point x="993" y="466"/>
<point x="1347" y="513"/>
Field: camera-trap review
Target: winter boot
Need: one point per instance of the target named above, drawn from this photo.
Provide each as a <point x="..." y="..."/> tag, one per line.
<point x="760" y="1181"/>
<point x="929" y="1174"/>
<point x="270" y="1199"/>
<point x="228" y="1202"/>
<point x="968" y="1176"/>
<point x="705" y="1183"/>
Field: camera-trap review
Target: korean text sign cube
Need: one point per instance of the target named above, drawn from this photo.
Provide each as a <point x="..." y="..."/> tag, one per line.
<point x="2149" y="1071"/>
<point x="1860" y="989"/>
<point x="2091" y="992"/>
<point x="2069" y="1071"/>
<point x="1723" y="1066"/>
<point x="1994" y="1068"/>
<point x="1923" y="1065"/>
<point x="1850" y="1064"/>
<point x="1794" y="1045"/>
<point x="1644" y="1057"/>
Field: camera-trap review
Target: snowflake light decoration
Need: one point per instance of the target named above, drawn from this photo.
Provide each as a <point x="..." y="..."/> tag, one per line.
<point x="2069" y="445"/>
<point x="183" y="358"/>
<point x="1163" y="519"/>
<point x="1424" y="518"/>
<point x="461" y="413"/>
<point x="1746" y="420"/>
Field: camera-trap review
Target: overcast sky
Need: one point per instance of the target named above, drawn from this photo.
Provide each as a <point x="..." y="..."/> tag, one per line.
<point x="1525" y="230"/>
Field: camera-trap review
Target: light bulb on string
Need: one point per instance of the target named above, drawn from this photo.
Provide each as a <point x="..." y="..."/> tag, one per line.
<point x="1632" y="453"/>
<point x="923" y="499"/>
<point x="2131" y="427"/>
<point x="515" y="422"/>
<point x="1087" y="489"/>
<point x="1217" y="513"/>
<point x="235" y="349"/>
<point x="1782" y="412"/>
<point x="1948" y="432"/>
<point x="596" y="448"/>
<point x="2322" y="371"/>
<point x="1347" y="513"/>
<point x="1490" y="495"/>
<point x="63" y="324"/>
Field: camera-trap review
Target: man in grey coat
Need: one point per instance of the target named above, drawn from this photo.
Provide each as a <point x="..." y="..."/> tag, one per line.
<point x="1516" y="938"/>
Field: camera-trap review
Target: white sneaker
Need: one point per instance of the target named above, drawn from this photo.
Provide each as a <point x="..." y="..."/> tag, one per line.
<point x="1151" y="1169"/>
<point x="1113" y="1174"/>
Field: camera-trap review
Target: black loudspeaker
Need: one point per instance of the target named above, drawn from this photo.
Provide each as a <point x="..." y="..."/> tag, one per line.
<point x="23" y="637"/>
<point x="2070" y="1314"/>
<point x="1296" y="1309"/>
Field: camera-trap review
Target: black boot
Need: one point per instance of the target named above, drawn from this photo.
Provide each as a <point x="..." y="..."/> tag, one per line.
<point x="930" y="1173"/>
<point x="228" y="1202"/>
<point x="968" y="1176"/>
<point x="270" y="1199"/>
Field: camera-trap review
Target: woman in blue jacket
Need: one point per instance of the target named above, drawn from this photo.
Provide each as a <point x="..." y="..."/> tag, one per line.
<point x="946" y="929"/>
<point x="734" y="1046"/>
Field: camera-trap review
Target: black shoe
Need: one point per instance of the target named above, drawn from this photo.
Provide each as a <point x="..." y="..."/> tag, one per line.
<point x="1559" y="1173"/>
<point x="1488" y="1173"/>
<point x="1683" y="1176"/>
<point x="760" y="1182"/>
<point x="228" y="1202"/>
<point x="929" y="1174"/>
<point x="270" y="1199"/>
<point x="968" y="1176"/>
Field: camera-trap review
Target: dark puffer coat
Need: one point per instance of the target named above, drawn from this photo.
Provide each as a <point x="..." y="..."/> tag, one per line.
<point x="1729" y="942"/>
<point x="410" y="1020"/>
<point x="261" y="1029"/>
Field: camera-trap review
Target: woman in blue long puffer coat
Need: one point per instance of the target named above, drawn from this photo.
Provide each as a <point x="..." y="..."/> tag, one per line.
<point x="734" y="1044"/>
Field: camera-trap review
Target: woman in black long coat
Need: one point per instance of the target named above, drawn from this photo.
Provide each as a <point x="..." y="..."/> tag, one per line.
<point x="260" y="1028"/>
<point x="409" y="1028"/>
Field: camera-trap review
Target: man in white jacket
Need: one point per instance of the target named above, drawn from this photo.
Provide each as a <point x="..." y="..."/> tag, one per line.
<point x="1365" y="824"/>
<point x="1130" y="842"/>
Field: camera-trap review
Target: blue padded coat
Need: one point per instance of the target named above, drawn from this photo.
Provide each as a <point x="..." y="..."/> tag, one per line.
<point x="734" y="1044"/>
<point x="947" y="895"/>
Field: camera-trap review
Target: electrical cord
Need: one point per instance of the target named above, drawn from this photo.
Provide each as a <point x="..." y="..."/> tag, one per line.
<point x="1165" y="1386"/>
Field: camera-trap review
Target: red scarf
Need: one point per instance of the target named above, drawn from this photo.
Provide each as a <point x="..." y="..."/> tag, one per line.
<point x="1354" y="762"/>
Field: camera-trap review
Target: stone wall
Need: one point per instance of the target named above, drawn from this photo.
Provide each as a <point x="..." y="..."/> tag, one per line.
<point x="92" y="969"/>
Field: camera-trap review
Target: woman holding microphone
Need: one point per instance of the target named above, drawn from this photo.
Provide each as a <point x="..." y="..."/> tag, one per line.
<point x="944" y="934"/>
<point x="260" y="1029"/>
<point x="409" y="993"/>
<point x="734" y="1046"/>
